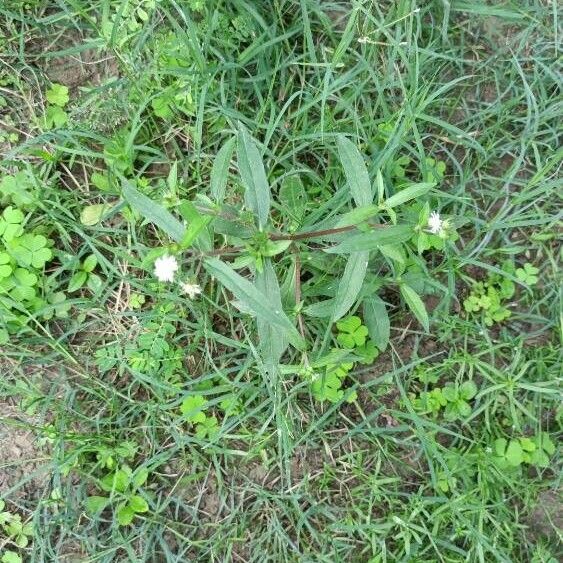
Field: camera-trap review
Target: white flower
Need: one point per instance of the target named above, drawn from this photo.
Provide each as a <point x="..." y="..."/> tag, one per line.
<point x="435" y="224"/>
<point x="191" y="289"/>
<point x="165" y="267"/>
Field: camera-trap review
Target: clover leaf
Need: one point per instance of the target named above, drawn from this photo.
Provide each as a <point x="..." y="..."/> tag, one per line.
<point x="507" y="454"/>
<point x="326" y="387"/>
<point x="528" y="274"/>
<point x="352" y="333"/>
<point x="11" y="223"/>
<point x="31" y="250"/>
<point x="20" y="285"/>
<point x="5" y="265"/>
<point x="17" y="188"/>
<point x="55" y="117"/>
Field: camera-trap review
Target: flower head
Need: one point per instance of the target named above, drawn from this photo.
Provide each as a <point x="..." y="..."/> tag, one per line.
<point x="191" y="289"/>
<point x="435" y="224"/>
<point x="165" y="267"/>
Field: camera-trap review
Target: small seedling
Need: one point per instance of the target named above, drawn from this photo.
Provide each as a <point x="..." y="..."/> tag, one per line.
<point x="123" y="484"/>
<point x="84" y="275"/>
<point x="17" y="532"/>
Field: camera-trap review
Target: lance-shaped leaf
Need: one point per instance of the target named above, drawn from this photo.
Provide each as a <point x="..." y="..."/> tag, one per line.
<point x="253" y="175"/>
<point x="153" y="212"/>
<point x="413" y="191"/>
<point x="377" y="321"/>
<point x="273" y="341"/>
<point x="220" y="170"/>
<point x="355" y="171"/>
<point x="350" y="284"/>
<point x="254" y="300"/>
<point x="416" y="305"/>
<point x="385" y="235"/>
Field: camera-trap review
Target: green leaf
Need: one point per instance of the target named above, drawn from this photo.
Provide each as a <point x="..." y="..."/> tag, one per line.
<point x="5" y="266"/>
<point x="153" y="212"/>
<point x="10" y="223"/>
<point x="139" y="477"/>
<point x="196" y="223"/>
<point x="357" y="215"/>
<point x="273" y="342"/>
<point x="293" y="197"/>
<point x="138" y="504"/>
<point x="192" y="408"/>
<point x="77" y="281"/>
<point x="514" y="453"/>
<point x="162" y="106"/>
<point x="377" y="321"/>
<point x="24" y="281"/>
<point x="95" y="504"/>
<point x="393" y="251"/>
<point x="254" y="299"/>
<point x="92" y="214"/>
<point x="355" y="171"/>
<point x="208" y="428"/>
<point x="94" y="283"/>
<point x="546" y="443"/>
<point x="11" y="557"/>
<point x="220" y="170"/>
<point x="415" y="305"/>
<point x="58" y="95"/>
<point x="350" y="284"/>
<point x="406" y="194"/>
<point x="125" y="515"/>
<point x="467" y="390"/>
<point x="499" y="446"/>
<point x="31" y="250"/>
<point x="55" y="117"/>
<point x="90" y="263"/>
<point x="253" y="175"/>
<point x="371" y="240"/>
<point x="118" y="481"/>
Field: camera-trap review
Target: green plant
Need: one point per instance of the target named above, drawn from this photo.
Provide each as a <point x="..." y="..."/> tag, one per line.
<point x="453" y="398"/>
<point x="533" y="451"/>
<point x="193" y="410"/>
<point x="125" y="497"/>
<point x="488" y="297"/>
<point x="58" y="97"/>
<point x="83" y="275"/>
<point x="16" y="531"/>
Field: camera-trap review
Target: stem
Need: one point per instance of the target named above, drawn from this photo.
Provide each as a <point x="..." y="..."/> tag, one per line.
<point x="315" y="234"/>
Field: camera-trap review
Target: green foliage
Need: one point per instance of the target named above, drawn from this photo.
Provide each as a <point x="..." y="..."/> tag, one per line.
<point x="193" y="410"/>
<point x="517" y="451"/>
<point x="57" y="95"/>
<point x="55" y="116"/>
<point x="453" y="399"/>
<point x="127" y="502"/>
<point x="293" y="157"/>
<point x="488" y="297"/>
<point x="14" y="529"/>
<point x="528" y="274"/>
<point x="83" y="275"/>
<point x="351" y="332"/>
